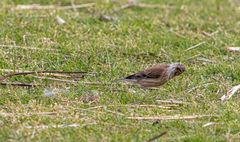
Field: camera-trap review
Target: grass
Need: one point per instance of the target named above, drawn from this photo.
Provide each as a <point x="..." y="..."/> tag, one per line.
<point x="138" y="38"/>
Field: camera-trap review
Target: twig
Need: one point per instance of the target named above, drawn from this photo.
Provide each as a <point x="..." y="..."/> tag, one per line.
<point x="128" y="105"/>
<point x="143" y="5"/>
<point x="195" y="46"/>
<point x="156" y="137"/>
<point x="55" y="75"/>
<point x="73" y="6"/>
<point x="29" y="114"/>
<point x="59" y="126"/>
<point x="41" y="74"/>
<point x="233" y="49"/>
<point x="36" y="72"/>
<point x="125" y="6"/>
<point x="72" y="81"/>
<point x="18" y="84"/>
<point x="174" y="117"/>
<point x="56" y="79"/>
<point x="209" y="34"/>
<point x="27" y="47"/>
<point x="45" y="71"/>
<point x="205" y="60"/>
<point x="76" y="6"/>
<point x="230" y="93"/>
<point x="210" y="124"/>
<point x="94" y="83"/>
<point x="140" y="5"/>
<point x="150" y="106"/>
<point x="172" y="102"/>
<point x="177" y="34"/>
<point x="95" y="107"/>
<point x="192" y="57"/>
<point x="47" y="7"/>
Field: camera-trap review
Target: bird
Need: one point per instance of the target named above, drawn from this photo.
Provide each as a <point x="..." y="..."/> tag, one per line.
<point x="156" y="75"/>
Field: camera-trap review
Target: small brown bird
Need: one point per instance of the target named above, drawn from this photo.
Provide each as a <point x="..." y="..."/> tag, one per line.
<point x="156" y="75"/>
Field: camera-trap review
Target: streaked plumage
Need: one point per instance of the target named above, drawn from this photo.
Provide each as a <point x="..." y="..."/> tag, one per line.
<point x="156" y="75"/>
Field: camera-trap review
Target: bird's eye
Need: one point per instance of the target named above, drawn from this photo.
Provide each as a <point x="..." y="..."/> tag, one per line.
<point x="178" y="71"/>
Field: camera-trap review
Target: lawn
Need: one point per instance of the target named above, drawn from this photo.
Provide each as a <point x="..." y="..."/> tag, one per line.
<point x="94" y="108"/>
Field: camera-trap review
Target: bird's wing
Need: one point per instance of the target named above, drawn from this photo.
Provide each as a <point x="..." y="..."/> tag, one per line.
<point x="154" y="72"/>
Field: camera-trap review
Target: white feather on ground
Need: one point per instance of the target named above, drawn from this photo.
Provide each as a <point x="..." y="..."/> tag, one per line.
<point x="60" y="21"/>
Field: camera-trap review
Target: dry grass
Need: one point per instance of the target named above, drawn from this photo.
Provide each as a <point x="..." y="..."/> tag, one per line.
<point x="92" y="107"/>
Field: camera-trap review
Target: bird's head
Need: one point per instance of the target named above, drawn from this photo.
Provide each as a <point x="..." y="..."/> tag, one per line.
<point x="175" y="69"/>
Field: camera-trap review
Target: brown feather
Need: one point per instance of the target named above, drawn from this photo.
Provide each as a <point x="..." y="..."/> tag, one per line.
<point x="156" y="75"/>
<point x="153" y="72"/>
<point x="156" y="71"/>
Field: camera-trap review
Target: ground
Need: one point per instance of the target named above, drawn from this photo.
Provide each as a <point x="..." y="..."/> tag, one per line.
<point x="98" y="109"/>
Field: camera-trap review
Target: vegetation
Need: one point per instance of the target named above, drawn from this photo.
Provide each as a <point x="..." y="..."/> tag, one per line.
<point x="96" y="109"/>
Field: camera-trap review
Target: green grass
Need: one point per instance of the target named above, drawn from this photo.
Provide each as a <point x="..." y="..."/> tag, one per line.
<point x="139" y="38"/>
